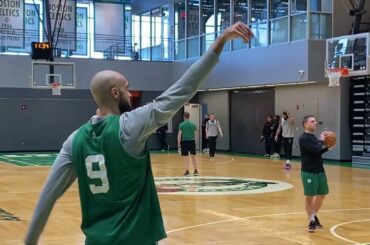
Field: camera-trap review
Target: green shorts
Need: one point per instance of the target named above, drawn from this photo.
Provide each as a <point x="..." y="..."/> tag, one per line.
<point x="314" y="183"/>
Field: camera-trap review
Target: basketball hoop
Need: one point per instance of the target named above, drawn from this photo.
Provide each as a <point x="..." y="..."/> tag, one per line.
<point x="334" y="75"/>
<point x="56" y="87"/>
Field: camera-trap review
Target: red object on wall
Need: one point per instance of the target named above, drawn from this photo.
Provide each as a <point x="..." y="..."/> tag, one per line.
<point x="135" y="98"/>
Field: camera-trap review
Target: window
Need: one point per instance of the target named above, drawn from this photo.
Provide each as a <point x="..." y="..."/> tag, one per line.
<point x="240" y="14"/>
<point x="278" y="21"/>
<point x="180" y="17"/>
<point x="259" y="23"/>
<point x="208" y="24"/>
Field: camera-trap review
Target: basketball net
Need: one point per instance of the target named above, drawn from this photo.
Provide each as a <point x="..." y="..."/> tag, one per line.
<point x="55" y="88"/>
<point x="334" y="75"/>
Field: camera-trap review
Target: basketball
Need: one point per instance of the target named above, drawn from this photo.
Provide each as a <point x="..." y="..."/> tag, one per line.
<point x="330" y="139"/>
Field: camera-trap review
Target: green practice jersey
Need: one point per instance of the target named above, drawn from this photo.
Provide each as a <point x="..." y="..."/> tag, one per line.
<point x="187" y="128"/>
<point x="115" y="209"/>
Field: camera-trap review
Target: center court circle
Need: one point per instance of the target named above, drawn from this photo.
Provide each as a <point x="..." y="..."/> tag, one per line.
<point x="209" y="185"/>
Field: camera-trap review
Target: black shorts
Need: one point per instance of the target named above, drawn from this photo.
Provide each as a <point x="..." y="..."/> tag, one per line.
<point x="187" y="146"/>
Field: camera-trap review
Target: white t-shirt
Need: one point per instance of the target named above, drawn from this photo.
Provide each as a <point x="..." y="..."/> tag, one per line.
<point x="287" y="129"/>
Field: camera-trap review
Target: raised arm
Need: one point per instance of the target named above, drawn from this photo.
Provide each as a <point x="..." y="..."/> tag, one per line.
<point x="61" y="176"/>
<point x="138" y="125"/>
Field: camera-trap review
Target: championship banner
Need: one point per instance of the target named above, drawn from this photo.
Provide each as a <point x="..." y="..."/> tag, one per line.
<point x="11" y="23"/>
<point x="32" y="25"/>
<point x="109" y="28"/>
<point x="65" y="17"/>
<point x="193" y="22"/>
<point x="81" y="41"/>
<point x="128" y="33"/>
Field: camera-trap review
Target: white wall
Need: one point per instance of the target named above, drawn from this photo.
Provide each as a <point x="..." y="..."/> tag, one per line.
<point x="323" y="102"/>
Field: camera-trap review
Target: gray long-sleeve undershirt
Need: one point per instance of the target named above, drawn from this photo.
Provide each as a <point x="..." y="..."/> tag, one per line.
<point x="136" y="126"/>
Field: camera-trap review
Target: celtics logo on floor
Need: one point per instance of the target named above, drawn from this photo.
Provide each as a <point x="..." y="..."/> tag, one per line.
<point x="207" y="185"/>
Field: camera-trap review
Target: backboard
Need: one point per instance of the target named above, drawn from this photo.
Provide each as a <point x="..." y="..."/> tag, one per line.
<point x="352" y="52"/>
<point x="45" y="72"/>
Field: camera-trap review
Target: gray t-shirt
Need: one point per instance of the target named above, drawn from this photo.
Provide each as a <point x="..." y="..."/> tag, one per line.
<point x="212" y="128"/>
<point x="135" y="127"/>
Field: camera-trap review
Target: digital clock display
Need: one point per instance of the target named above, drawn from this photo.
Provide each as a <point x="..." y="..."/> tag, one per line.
<point x="41" y="50"/>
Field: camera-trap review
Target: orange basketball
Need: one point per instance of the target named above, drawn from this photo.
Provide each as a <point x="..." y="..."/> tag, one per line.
<point x="330" y="139"/>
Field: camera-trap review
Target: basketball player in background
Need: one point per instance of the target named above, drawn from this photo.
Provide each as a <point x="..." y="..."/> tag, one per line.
<point x="186" y="141"/>
<point x="213" y="129"/>
<point x="286" y="127"/>
<point x="313" y="174"/>
<point x="109" y="157"/>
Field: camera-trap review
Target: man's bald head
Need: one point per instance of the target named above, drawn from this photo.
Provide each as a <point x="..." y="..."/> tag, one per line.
<point x="110" y="90"/>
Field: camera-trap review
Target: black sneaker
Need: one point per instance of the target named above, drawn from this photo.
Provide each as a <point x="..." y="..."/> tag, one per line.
<point x="196" y="172"/>
<point x="187" y="173"/>
<point x="318" y="224"/>
<point x="312" y="226"/>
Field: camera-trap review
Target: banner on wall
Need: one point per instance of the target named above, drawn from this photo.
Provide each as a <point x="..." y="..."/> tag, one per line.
<point x="11" y="23"/>
<point x="81" y="36"/>
<point x="128" y="40"/>
<point x="32" y="26"/>
<point x="193" y="22"/>
<point x="63" y="20"/>
<point x="109" y="28"/>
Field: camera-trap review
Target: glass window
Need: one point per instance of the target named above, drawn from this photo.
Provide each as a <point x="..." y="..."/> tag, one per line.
<point x="241" y="11"/>
<point x="145" y="36"/>
<point x="223" y="15"/>
<point x="278" y="8"/>
<point x="298" y="6"/>
<point x="208" y="24"/>
<point x="180" y="17"/>
<point x="208" y="17"/>
<point x="156" y="33"/>
<point x="166" y="38"/>
<point x="322" y="6"/>
<point x="298" y="27"/>
<point x="240" y="14"/>
<point x="321" y="26"/>
<point x="259" y="10"/>
<point x="258" y="23"/>
<point x="260" y="32"/>
<point x="193" y="18"/>
<point x="135" y="35"/>
<point x="128" y="32"/>
<point x="279" y="30"/>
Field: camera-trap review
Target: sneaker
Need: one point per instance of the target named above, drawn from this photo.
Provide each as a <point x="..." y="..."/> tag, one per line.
<point x="266" y="156"/>
<point x="312" y="226"/>
<point x="196" y="172"/>
<point x="318" y="224"/>
<point x="187" y="174"/>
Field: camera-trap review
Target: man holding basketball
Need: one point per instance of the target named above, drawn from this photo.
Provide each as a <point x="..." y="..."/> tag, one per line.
<point x="312" y="171"/>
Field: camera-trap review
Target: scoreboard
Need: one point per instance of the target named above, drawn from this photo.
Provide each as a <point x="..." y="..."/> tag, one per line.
<point x="41" y="50"/>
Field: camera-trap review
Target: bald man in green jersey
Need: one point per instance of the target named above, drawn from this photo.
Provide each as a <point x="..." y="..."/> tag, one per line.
<point x="108" y="156"/>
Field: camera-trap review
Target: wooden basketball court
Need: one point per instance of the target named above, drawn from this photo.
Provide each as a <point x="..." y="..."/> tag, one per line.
<point x="262" y="218"/>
